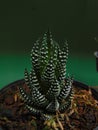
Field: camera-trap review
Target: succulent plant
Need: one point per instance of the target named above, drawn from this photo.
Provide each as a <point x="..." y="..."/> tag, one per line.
<point x="50" y="89"/>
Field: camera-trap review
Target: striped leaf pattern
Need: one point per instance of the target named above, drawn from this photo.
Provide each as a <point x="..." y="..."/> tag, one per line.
<point x="48" y="73"/>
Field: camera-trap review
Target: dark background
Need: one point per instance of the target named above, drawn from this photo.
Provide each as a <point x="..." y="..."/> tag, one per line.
<point x="22" y="22"/>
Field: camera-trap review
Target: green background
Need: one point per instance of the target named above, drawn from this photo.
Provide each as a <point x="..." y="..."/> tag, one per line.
<point x="22" y="22"/>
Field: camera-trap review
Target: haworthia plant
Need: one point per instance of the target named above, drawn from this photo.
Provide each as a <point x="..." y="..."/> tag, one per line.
<point x="50" y="89"/>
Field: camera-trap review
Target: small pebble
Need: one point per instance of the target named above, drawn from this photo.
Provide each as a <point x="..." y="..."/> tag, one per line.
<point x="96" y="128"/>
<point x="1" y="128"/>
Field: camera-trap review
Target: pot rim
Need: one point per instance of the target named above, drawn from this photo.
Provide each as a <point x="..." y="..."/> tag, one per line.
<point x="75" y="83"/>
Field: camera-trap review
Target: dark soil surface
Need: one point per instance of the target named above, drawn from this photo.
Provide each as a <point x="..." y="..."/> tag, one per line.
<point x="83" y="114"/>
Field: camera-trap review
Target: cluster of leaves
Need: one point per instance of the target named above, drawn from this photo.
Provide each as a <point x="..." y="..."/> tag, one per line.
<point x="49" y="91"/>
